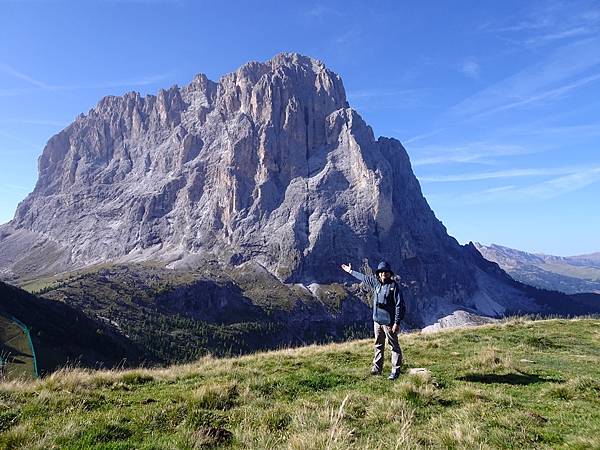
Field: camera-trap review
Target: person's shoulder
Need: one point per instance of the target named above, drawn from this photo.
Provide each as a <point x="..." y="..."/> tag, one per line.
<point x="400" y="284"/>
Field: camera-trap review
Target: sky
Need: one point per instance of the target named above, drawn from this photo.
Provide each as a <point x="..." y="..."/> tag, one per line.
<point x="497" y="103"/>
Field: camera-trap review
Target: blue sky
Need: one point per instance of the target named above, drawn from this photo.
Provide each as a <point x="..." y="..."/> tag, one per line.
<point x="497" y="103"/>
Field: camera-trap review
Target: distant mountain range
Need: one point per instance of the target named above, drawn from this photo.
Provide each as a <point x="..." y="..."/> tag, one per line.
<point x="571" y="274"/>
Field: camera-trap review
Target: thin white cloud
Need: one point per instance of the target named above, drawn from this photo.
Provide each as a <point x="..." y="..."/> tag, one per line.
<point x="43" y="86"/>
<point x="420" y="137"/>
<point x="17" y="139"/>
<point x="388" y="98"/>
<point x="564" y="184"/>
<point x="320" y="11"/>
<point x="526" y="25"/>
<point x="549" y="22"/>
<point x="142" y="81"/>
<point x="547" y="95"/>
<point x="471" y="69"/>
<point x="368" y="94"/>
<point x="545" y="190"/>
<point x="511" y="173"/>
<point x="17" y="92"/>
<point x="572" y="32"/>
<point x="346" y="37"/>
<point x="547" y="129"/>
<point x="9" y="70"/>
<point x="474" y="152"/>
<point x="561" y="72"/>
<point x="365" y="93"/>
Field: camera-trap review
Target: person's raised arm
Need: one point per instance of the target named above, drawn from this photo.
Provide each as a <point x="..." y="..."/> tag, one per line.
<point x="366" y="279"/>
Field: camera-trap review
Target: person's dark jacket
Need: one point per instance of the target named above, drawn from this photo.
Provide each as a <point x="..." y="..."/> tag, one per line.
<point x="388" y="302"/>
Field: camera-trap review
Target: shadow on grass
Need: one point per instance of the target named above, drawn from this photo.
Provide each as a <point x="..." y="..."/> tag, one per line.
<point x="521" y="379"/>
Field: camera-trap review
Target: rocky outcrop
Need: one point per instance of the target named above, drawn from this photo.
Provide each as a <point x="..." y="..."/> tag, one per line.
<point x="269" y="164"/>
<point x="458" y="319"/>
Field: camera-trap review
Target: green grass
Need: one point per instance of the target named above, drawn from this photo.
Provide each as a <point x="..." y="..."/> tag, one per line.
<point x="520" y="384"/>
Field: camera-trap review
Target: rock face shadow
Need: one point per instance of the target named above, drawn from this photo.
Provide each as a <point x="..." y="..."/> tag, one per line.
<point x="517" y="379"/>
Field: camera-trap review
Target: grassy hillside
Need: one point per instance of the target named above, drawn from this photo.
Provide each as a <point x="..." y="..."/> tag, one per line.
<point x="181" y="315"/>
<point x="16" y="359"/>
<point x="520" y="384"/>
<point x="59" y="333"/>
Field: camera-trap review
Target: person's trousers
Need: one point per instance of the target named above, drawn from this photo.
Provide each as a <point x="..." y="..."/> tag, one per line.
<point x="383" y="332"/>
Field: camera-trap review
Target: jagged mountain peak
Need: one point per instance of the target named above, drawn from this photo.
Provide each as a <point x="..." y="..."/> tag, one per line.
<point x="283" y="60"/>
<point x="269" y="164"/>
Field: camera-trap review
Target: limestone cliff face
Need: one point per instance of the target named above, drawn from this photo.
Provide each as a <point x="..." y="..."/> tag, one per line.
<point x="268" y="164"/>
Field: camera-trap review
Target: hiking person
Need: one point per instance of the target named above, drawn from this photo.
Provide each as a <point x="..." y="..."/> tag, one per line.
<point x="388" y="311"/>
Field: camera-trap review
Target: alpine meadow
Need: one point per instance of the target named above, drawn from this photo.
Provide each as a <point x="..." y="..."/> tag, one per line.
<point x="278" y="225"/>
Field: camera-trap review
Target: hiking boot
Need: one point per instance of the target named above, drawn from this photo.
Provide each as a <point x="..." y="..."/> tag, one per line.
<point x="394" y="375"/>
<point x="375" y="371"/>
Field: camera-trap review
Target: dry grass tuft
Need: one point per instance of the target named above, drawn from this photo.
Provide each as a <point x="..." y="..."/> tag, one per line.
<point x="19" y="436"/>
<point x="338" y="432"/>
<point x="470" y="394"/>
<point x="575" y="388"/>
<point x="464" y="431"/>
<point x="492" y="360"/>
<point x="216" y="396"/>
<point x="74" y="379"/>
<point x="419" y="395"/>
<point x="208" y="437"/>
<point x="276" y="419"/>
<point x="584" y="443"/>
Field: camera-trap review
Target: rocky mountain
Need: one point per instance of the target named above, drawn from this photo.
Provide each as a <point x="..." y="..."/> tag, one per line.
<point x="571" y="275"/>
<point x="269" y="165"/>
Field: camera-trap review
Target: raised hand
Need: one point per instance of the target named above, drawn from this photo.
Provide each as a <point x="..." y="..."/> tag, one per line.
<point x="347" y="267"/>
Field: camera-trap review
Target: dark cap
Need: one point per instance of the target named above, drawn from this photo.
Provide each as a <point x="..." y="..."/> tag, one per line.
<point x="384" y="267"/>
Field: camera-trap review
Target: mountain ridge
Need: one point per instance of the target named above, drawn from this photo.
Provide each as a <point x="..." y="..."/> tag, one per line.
<point x="268" y="165"/>
<point x="570" y="274"/>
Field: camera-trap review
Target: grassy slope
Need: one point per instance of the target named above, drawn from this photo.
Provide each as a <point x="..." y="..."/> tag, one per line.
<point x="515" y="385"/>
<point x="181" y="315"/>
<point x="61" y="334"/>
<point x="14" y="350"/>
